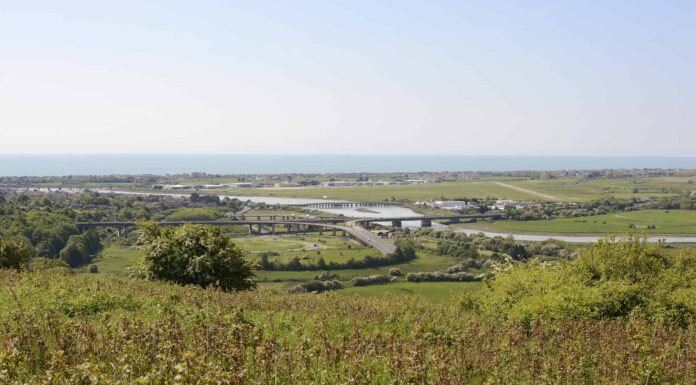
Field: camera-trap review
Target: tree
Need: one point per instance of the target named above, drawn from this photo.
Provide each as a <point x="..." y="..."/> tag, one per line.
<point x="93" y="242"/>
<point x="194" y="254"/>
<point x="15" y="253"/>
<point x="76" y="251"/>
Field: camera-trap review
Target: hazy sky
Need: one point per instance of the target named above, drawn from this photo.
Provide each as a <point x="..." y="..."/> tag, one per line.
<point x="365" y="77"/>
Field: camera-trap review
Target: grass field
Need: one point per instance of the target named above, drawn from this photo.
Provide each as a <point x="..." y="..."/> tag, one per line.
<point x="116" y="260"/>
<point x="308" y="247"/>
<point x="566" y="189"/>
<point x="666" y="222"/>
<point x="424" y="262"/>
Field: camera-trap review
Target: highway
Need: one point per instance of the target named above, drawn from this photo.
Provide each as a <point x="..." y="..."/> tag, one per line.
<point x="369" y="238"/>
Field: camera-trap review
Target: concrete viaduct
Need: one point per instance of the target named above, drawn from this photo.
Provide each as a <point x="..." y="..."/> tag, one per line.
<point x="346" y="205"/>
<point x="426" y="221"/>
<point x="352" y="227"/>
<point x="365" y="237"/>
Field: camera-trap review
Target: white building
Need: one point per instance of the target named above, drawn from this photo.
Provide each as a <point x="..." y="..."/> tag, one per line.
<point x="450" y="205"/>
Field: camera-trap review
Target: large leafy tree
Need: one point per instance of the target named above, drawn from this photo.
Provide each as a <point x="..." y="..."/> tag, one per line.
<point x="194" y="254"/>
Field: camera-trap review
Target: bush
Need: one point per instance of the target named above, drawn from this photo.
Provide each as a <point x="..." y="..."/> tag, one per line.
<point x="316" y="286"/>
<point x="395" y="272"/>
<point x="76" y="251"/>
<point x="93" y="269"/>
<point x="194" y="254"/>
<point x="40" y="263"/>
<point x="15" y="253"/>
<point x="442" y="277"/>
<point x="615" y="278"/>
<point x="80" y="248"/>
<point x="194" y="214"/>
<point x="325" y="276"/>
<point x="371" y="280"/>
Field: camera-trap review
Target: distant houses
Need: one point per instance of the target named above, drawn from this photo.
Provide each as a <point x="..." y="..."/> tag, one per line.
<point x="288" y="184"/>
<point x="450" y="205"/>
<point x="501" y="204"/>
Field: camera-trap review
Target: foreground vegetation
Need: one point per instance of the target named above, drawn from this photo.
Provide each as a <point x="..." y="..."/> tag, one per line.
<point x="90" y="329"/>
<point x="620" y="312"/>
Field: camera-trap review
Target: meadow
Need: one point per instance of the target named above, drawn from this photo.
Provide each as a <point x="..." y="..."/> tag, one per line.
<point x="658" y="222"/>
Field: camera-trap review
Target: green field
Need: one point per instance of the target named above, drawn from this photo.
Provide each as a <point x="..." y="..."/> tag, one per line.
<point x="564" y="189"/>
<point x="116" y="260"/>
<point x="308" y="247"/>
<point x="666" y="222"/>
<point x="424" y="262"/>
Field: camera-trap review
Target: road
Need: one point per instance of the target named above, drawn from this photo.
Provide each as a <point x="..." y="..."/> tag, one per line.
<point x="370" y="238"/>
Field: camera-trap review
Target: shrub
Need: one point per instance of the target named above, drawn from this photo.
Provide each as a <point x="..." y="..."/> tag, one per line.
<point x="615" y="278"/>
<point x="40" y="263"/>
<point x="316" y="286"/>
<point x="15" y="253"/>
<point x="93" y="269"/>
<point x="76" y="251"/>
<point x="325" y="276"/>
<point x="371" y="280"/>
<point x="442" y="277"/>
<point x="194" y="214"/>
<point x="194" y="254"/>
<point x="395" y="272"/>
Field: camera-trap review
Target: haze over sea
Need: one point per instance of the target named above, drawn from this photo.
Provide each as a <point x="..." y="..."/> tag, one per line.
<point x="52" y="165"/>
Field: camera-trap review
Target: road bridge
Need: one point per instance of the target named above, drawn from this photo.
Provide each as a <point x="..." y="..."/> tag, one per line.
<point x="426" y="221"/>
<point x="353" y="230"/>
<point x="346" y="205"/>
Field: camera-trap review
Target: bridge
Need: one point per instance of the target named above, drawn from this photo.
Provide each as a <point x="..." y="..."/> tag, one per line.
<point x="346" y="205"/>
<point x="348" y="226"/>
<point x="356" y="232"/>
<point x="426" y="221"/>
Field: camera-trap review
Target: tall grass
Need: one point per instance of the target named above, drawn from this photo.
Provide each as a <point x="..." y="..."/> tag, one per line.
<point x="86" y="329"/>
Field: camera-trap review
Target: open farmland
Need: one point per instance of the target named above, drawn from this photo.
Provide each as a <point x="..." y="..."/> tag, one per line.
<point x="565" y="189"/>
<point x="658" y="222"/>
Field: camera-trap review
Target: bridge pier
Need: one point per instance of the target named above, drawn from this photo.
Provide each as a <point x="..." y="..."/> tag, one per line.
<point x="258" y="227"/>
<point x="273" y="228"/>
<point x="250" y="230"/>
<point x="427" y="223"/>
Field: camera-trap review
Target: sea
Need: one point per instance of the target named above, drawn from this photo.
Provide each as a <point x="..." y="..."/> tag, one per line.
<point x="111" y="164"/>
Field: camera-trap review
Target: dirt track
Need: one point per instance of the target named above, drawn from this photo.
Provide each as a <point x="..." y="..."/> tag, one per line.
<point x="530" y="192"/>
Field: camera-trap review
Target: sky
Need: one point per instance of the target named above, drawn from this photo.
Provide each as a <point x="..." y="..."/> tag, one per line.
<point x="348" y="77"/>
